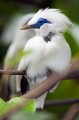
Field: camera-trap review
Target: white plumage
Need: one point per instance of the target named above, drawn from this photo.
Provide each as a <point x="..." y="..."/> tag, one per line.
<point x="50" y="51"/>
<point x="20" y="39"/>
<point x="17" y="45"/>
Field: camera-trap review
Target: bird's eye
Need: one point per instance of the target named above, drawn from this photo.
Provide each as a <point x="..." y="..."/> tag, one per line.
<point x="40" y="21"/>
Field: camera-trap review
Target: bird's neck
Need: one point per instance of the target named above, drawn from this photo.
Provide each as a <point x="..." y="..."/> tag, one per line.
<point x="46" y="35"/>
<point x="46" y="32"/>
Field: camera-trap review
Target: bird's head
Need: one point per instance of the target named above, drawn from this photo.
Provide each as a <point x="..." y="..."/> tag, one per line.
<point x="50" y="17"/>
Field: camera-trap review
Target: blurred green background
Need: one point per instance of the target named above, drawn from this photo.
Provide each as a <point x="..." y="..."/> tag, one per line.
<point x="10" y="9"/>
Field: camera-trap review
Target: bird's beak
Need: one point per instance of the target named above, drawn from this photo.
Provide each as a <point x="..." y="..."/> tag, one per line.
<point x="25" y="26"/>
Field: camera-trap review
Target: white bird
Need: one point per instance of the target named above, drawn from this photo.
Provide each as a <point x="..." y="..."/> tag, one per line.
<point x="17" y="45"/>
<point x="50" y="51"/>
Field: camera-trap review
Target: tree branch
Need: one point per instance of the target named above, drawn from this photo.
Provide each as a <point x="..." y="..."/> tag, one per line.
<point x="46" y="85"/>
<point x="72" y="74"/>
<point x="13" y="72"/>
<point x="61" y="102"/>
<point x="72" y="113"/>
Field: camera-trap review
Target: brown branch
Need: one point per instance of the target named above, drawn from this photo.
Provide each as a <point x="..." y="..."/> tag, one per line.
<point x="39" y="90"/>
<point x="13" y="72"/>
<point x="72" y="74"/>
<point x="50" y="82"/>
<point x="61" y="102"/>
<point x="44" y="86"/>
<point x="72" y="113"/>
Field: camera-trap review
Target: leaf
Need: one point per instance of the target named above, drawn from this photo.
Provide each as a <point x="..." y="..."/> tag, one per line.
<point x="6" y="106"/>
<point x="3" y="106"/>
<point x="29" y="116"/>
<point x="29" y="107"/>
<point x="16" y="59"/>
<point x="72" y="43"/>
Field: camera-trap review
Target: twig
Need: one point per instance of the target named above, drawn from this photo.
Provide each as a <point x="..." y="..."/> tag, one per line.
<point x="13" y="72"/>
<point x="61" y="102"/>
<point x="50" y="82"/>
<point x="72" y="74"/>
<point x="72" y="113"/>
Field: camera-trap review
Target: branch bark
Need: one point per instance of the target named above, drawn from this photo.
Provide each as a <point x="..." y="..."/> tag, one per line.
<point x="72" y="113"/>
<point x="61" y="102"/>
<point x="12" y="72"/>
<point x="46" y="85"/>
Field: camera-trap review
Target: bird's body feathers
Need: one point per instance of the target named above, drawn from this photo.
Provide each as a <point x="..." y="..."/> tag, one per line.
<point x="49" y="49"/>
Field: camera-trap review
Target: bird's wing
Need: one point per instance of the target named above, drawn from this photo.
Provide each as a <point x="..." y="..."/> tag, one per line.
<point x="24" y="85"/>
<point x="24" y="62"/>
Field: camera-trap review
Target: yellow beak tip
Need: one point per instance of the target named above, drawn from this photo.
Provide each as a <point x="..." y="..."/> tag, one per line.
<point x="25" y="27"/>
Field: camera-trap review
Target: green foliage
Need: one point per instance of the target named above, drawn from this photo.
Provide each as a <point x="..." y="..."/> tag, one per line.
<point x="14" y="61"/>
<point x="66" y="90"/>
<point x="37" y="116"/>
<point x="26" y="113"/>
<point x="30" y="106"/>
<point x="69" y="7"/>
<point x="5" y="106"/>
<point x="73" y="45"/>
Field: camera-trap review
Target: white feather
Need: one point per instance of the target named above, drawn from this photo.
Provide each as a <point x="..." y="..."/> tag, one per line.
<point x="45" y="55"/>
<point x="18" y="43"/>
<point x="59" y="21"/>
<point x="20" y="39"/>
<point x="54" y="54"/>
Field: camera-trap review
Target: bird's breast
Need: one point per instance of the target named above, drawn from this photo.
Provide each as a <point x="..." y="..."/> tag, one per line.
<point x="54" y="55"/>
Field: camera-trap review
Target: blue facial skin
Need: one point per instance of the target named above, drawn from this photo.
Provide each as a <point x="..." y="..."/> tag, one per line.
<point x="40" y="22"/>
